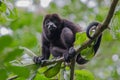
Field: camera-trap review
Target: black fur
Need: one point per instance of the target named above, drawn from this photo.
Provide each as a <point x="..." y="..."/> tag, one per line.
<point x="98" y="41"/>
<point x="59" y="41"/>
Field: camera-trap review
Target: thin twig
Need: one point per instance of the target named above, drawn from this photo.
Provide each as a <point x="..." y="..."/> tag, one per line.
<point x="72" y="67"/>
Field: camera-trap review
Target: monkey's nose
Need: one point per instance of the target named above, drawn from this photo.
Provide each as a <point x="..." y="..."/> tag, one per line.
<point x="52" y="28"/>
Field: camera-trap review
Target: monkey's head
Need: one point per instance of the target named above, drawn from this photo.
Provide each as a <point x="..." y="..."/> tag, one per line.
<point x="52" y="22"/>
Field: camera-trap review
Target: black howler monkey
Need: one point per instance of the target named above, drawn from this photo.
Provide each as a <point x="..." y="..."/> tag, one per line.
<point x="58" y="37"/>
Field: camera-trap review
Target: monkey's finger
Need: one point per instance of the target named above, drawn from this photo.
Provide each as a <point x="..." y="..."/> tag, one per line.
<point x="67" y="58"/>
<point x="37" y="60"/>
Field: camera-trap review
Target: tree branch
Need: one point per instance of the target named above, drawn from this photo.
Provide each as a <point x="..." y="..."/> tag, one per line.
<point x="49" y="62"/>
<point x="99" y="30"/>
<point x="102" y="27"/>
<point x="72" y="66"/>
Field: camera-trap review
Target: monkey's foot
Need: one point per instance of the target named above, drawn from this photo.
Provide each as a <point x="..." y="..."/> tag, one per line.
<point x="72" y="52"/>
<point x="70" y="55"/>
<point x="67" y="58"/>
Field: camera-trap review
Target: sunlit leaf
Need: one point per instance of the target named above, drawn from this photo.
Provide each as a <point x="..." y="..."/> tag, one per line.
<point x="5" y="41"/>
<point x="41" y="77"/>
<point x="20" y="71"/>
<point x="13" y="55"/>
<point x="3" y="74"/>
<point x="40" y="74"/>
<point x="12" y="14"/>
<point x="24" y="60"/>
<point x="116" y="26"/>
<point x="12" y="77"/>
<point x="83" y="75"/>
<point x="42" y="69"/>
<point x="102" y="13"/>
<point x="53" y="70"/>
<point x="20" y="22"/>
<point x="87" y="53"/>
<point x="80" y="38"/>
<point x="2" y="7"/>
<point x="115" y="74"/>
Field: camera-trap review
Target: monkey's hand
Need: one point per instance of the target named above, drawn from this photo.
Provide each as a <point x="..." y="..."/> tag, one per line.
<point x="70" y="55"/>
<point x="38" y="59"/>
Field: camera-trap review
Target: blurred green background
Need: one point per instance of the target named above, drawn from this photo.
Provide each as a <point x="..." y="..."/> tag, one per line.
<point x="21" y="25"/>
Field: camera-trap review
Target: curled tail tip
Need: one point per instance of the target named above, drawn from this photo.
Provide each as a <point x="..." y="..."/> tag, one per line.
<point x="89" y="27"/>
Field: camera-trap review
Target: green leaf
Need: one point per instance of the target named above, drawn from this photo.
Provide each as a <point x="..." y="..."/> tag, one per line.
<point x="83" y="75"/>
<point x="102" y="12"/>
<point x="12" y="15"/>
<point x="53" y="70"/>
<point x="5" y="41"/>
<point x="2" y="7"/>
<point x="41" y="77"/>
<point x="42" y="69"/>
<point x="20" y="71"/>
<point x="13" y="55"/>
<point x="116" y="26"/>
<point x="3" y="74"/>
<point x="88" y="53"/>
<point x="11" y="76"/>
<point x="80" y="38"/>
<point x="20" y="22"/>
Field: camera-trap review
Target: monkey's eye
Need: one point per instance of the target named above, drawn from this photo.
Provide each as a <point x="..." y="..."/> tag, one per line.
<point x="47" y="21"/>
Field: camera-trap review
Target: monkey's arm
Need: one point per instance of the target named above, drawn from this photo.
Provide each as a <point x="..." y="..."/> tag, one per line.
<point x="45" y="51"/>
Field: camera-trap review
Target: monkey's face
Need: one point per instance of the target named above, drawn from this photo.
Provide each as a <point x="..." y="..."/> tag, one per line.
<point x="52" y="22"/>
<point x="50" y="25"/>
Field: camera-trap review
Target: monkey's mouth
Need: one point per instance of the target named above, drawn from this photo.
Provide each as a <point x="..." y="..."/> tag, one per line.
<point x="52" y="28"/>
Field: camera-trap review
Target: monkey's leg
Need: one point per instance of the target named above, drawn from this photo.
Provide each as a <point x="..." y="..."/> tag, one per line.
<point x="45" y="52"/>
<point x="67" y="38"/>
<point x="57" y="52"/>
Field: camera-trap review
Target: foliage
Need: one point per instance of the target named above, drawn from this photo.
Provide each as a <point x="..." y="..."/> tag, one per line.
<point x="84" y="75"/>
<point x="87" y="53"/>
<point x="24" y="29"/>
<point x="53" y="70"/>
<point x="80" y="38"/>
<point x="115" y="26"/>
